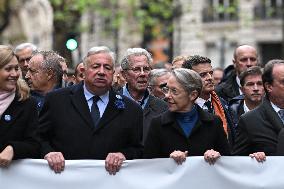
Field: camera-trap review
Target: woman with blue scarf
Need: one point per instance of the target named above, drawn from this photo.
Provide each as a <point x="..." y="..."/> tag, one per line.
<point x="185" y="129"/>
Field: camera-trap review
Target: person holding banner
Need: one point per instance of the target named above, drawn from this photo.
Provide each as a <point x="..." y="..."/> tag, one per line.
<point x="90" y="120"/>
<point x="258" y="130"/>
<point x="18" y="112"/>
<point x="185" y="129"/>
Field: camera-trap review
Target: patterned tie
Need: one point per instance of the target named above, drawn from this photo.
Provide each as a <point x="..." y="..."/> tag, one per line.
<point x="209" y="107"/>
<point x="95" y="112"/>
<point x="281" y="114"/>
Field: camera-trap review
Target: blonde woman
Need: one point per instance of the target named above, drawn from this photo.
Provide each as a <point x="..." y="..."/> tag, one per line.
<point x="18" y="112"/>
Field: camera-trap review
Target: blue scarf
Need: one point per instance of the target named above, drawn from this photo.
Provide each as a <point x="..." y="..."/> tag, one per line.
<point x="187" y="120"/>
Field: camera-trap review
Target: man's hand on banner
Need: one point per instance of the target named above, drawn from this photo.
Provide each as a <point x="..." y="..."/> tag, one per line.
<point x="259" y="156"/>
<point x="113" y="162"/>
<point x="55" y="161"/>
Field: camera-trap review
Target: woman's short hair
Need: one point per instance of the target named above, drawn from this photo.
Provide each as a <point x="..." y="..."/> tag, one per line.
<point x="189" y="79"/>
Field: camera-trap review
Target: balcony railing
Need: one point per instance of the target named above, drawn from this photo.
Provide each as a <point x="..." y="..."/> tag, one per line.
<point x="262" y="12"/>
<point x="220" y="14"/>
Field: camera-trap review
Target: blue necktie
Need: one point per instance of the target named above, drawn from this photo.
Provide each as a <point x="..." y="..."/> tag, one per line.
<point x="281" y="114"/>
<point x="95" y="112"/>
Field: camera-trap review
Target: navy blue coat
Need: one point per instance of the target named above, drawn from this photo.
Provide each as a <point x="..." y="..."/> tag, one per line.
<point x="66" y="126"/>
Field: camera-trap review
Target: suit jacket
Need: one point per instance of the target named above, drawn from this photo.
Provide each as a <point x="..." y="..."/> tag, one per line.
<point x="236" y="109"/>
<point x="229" y="88"/>
<point x="153" y="108"/>
<point x="66" y="126"/>
<point x="165" y="136"/>
<point x="280" y="145"/>
<point x="258" y="130"/>
<point x="230" y="124"/>
<point x="18" y="127"/>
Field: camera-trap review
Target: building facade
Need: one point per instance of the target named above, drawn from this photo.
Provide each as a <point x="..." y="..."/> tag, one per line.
<point x="214" y="28"/>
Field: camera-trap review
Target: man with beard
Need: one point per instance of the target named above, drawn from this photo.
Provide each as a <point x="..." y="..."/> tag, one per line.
<point x="208" y="99"/>
<point x="136" y="69"/>
<point x="253" y="92"/>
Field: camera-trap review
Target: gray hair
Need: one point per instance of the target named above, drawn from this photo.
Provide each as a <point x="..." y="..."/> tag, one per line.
<point x="189" y="79"/>
<point x="154" y="74"/>
<point x="25" y="46"/>
<point x="51" y="61"/>
<point x="98" y="50"/>
<point x="125" y="62"/>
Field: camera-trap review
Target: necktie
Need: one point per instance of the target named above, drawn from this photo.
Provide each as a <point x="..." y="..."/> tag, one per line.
<point x="95" y="112"/>
<point x="281" y="114"/>
<point x="209" y="107"/>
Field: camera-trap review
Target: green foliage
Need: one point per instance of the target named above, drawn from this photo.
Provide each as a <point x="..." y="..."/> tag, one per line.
<point x="153" y="14"/>
<point x="149" y="13"/>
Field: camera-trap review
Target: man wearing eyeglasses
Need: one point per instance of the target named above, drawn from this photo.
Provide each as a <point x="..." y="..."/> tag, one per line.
<point x="24" y="53"/>
<point x="158" y="80"/>
<point x="136" y="69"/>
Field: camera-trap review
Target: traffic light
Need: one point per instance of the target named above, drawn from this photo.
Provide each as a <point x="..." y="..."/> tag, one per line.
<point x="71" y="44"/>
<point x="71" y="41"/>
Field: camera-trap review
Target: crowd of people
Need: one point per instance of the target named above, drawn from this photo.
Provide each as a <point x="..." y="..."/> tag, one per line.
<point x="130" y="110"/>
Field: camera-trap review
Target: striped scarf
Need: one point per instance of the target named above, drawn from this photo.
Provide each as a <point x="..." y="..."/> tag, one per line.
<point x="219" y="111"/>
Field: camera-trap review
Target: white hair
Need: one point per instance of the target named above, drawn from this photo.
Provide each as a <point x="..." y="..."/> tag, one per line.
<point x="125" y="63"/>
<point x="100" y="49"/>
<point x="25" y="46"/>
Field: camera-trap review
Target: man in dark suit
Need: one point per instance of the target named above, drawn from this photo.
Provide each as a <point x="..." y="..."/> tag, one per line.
<point x="44" y="75"/>
<point x="257" y="131"/>
<point x="253" y="92"/>
<point x="245" y="56"/>
<point x="136" y="69"/>
<point x="208" y="99"/>
<point x="89" y="120"/>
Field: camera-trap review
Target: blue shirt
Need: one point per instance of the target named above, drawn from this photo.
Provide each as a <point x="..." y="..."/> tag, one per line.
<point x="187" y="120"/>
<point x="102" y="103"/>
<point x="144" y="100"/>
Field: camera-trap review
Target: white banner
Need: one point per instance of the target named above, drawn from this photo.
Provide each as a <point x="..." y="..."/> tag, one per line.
<point x="227" y="173"/>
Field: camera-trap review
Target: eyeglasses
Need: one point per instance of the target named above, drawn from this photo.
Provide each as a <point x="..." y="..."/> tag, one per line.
<point x="167" y="90"/>
<point x="145" y="69"/>
<point x="24" y="59"/>
<point x="161" y="86"/>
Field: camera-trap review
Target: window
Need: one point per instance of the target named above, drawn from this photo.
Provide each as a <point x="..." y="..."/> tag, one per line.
<point x="220" y="10"/>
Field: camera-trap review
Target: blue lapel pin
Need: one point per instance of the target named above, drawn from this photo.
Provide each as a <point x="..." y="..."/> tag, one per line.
<point x="118" y="97"/>
<point x="7" y="117"/>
